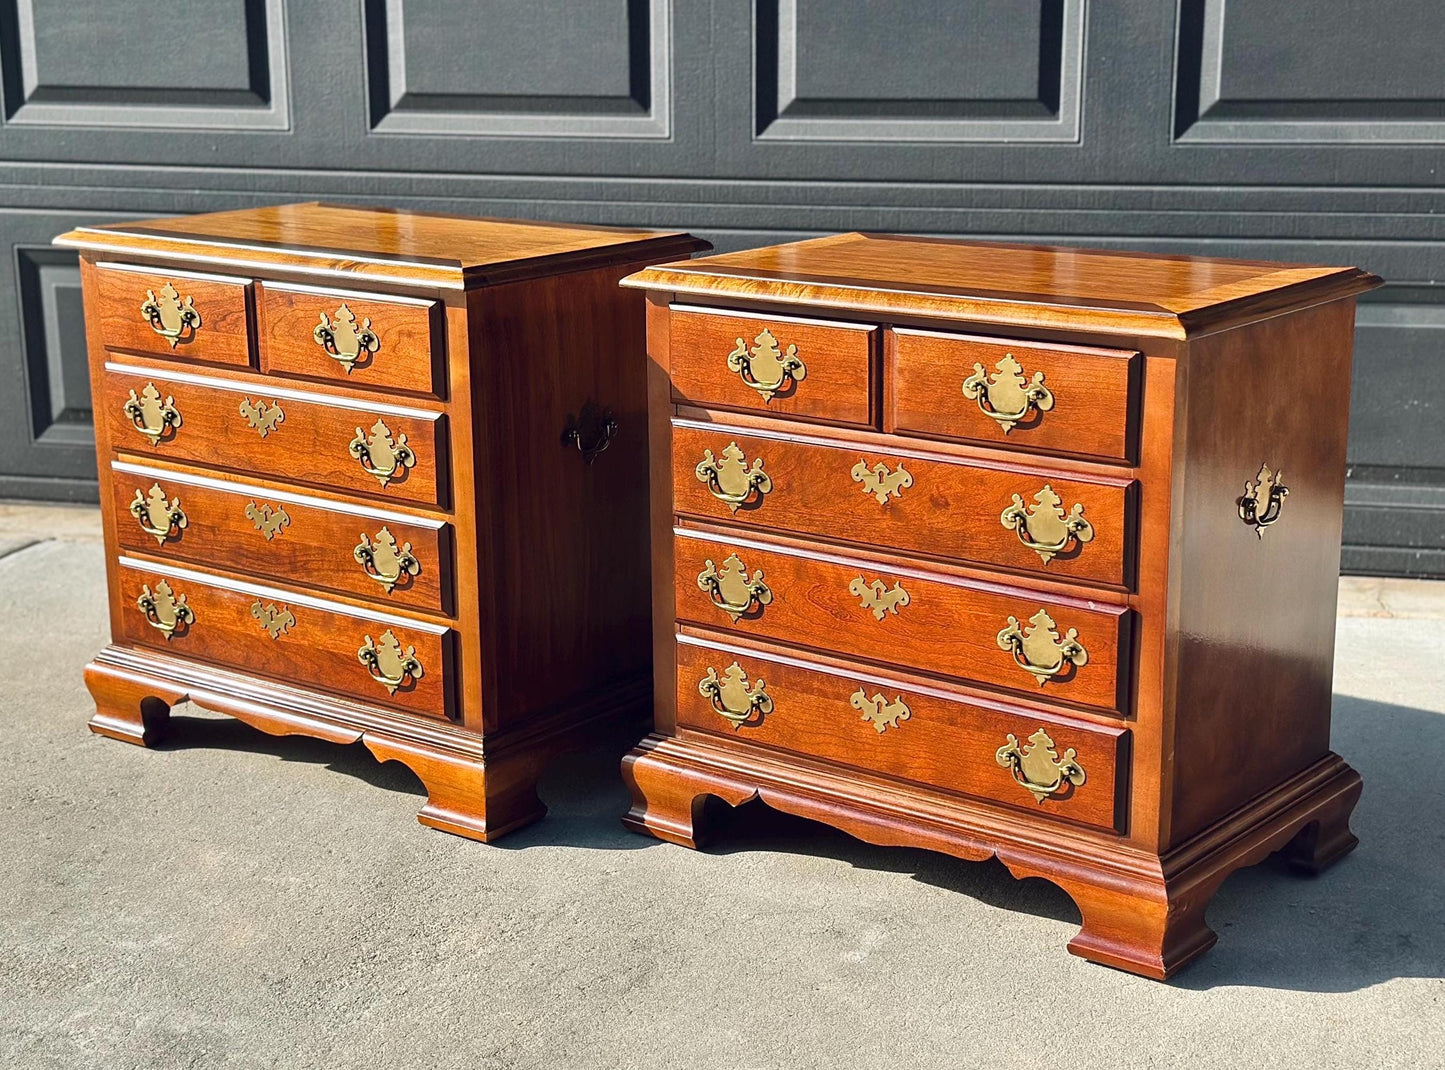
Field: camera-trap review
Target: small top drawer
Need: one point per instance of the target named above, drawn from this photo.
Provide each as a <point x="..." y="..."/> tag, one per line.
<point x="173" y="313"/>
<point x="774" y="364"/>
<point x="375" y="341"/>
<point x="1065" y="399"/>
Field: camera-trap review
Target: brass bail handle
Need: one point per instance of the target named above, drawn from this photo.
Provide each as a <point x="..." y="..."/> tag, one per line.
<point x="1039" y="650"/>
<point x="1006" y="397"/>
<point x="1044" y="527"/>
<point x="730" y="480"/>
<point x="383" y="560"/>
<point x="158" y="515"/>
<point x="766" y="367"/>
<point x="733" y="698"/>
<point x="1038" y="768"/>
<point x="345" y="340"/>
<point x="381" y="455"/>
<point x="150" y="415"/>
<point x="170" y="315"/>
<point x="388" y="663"/>
<point x="731" y="589"/>
<point x="591" y="431"/>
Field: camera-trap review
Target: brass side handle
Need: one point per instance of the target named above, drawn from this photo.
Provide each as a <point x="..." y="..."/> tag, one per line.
<point x="158" y="515"/>
<point x="1263" y="499"/>
<point x="591" y="431"/>
<point x="150" y="415"/>
<point x="1006" y="397"/>
<point x="1043" y="527"/>
<point x="1037" y="767"/>
<point x="733" y="698"/>
<point x="731" y="589"/>
<point x="1039" y="650"/>
<point x="388" y="664"/>
<point x="730" y="480"/>
<point x="380" y="455"/>
<point x="347" y="342"/>
<point x="170" y="315"/>
<point x="384" y="561"/>
<point x="165" y="610"/>
<point x="766" y="367"/>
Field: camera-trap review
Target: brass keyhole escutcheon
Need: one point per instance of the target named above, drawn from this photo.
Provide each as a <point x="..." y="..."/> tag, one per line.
<point x="1037" y="767"/>
<point x="730" y="480"/>
<point x="348" y="342"/>
<point x="766" y="367"/>
<point x="1043" y="527"/>
<point x="158" y="515"/>
<point x="1263" y="499"/>
<point x="165" y="610"/>
<point x="384" y="561"/>
<point x="733" y="698"/>
<point x="380" y="455"/>
<point x="880" y="482"/>
<point x="390" y="665"/>
<point x="730" y="588"/>
<point x="878" y="711"/>
<point x="1006" y="397"/>
<point x="170" y="315"/>
<point x="877" y="597"/>
<point x="1039" y="650"/>
<point x="154" y="418"/>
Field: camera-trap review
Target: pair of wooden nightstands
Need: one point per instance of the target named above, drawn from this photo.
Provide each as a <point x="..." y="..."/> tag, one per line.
<point x="981" y="548"/>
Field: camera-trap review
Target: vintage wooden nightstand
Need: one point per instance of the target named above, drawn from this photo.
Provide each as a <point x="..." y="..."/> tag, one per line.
<point x="379" y="476"/>
<point x="1005" y="550"/>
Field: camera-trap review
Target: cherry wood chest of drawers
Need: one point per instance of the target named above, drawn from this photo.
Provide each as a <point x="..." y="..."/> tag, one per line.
<point x="377" y="476"/>
<point x="1004" y="551"/>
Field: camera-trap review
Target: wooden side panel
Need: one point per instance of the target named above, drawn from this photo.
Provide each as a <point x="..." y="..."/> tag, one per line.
<point x="221" y="337"/>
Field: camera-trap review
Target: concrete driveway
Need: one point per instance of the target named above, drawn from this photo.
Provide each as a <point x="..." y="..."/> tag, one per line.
<point x="234" y="900"/>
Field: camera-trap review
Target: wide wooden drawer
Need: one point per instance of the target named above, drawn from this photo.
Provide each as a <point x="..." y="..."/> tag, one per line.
<point x="379" y="342"/>
<point x="173" y="313"/>
<point x="999" y="515"/>
<point x="1007" y="637"/>
<point x="261" y="429"/>
<point x="1066" y="399"/>
<point x="901" y="728"/>
<point x="777" y="364"/>
<point x="310" y="642"/>
<point x="338" y="546"/>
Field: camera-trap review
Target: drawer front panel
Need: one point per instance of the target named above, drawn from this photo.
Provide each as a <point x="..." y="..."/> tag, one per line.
<point x="376" y="342"/>
<point x="1068" y="399"/>
<point x="821" y="370"/>
<point x="984" y="633"/>
<point x="889" y="726"/>
<point x="146" y="310"/>
<point x="292" y="637"/>
<point x="941" y="508"/>
<point x="386" y="557"/>
<point x="221" y="423"/>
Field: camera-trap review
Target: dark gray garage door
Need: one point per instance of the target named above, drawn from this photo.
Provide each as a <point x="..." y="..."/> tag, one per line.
<point x="1310" y="131"/>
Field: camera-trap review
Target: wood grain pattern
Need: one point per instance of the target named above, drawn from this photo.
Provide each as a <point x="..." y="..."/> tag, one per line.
<point x="1090" y="391"/>
<point x="838" y="358"/>
<point x="409" y="357"/>
<point x="222" y="338"/>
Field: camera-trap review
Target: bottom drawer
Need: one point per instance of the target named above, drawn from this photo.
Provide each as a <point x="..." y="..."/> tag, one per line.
<point x="375" y="657"/>
<point x="994" y="750"/>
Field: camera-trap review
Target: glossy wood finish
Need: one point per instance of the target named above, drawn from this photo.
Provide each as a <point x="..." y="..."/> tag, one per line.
<point x="949" y="625"/>
<point x="950" y="510"/>
<point x="1091" y="392"/>
<point x="838" y="359"/>
<point x="1224" y="660"/>
<point x="223" y="336"/>
<point x="408" y="351"/>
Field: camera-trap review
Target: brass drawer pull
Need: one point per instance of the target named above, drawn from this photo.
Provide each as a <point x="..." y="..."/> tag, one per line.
<point x="765" y="367"/>
<point x="730" y="480"/>
<point x="881" y="483"/>
<point x="1043" y="527"/>
<point x="1038" y="769"/>
<point x="388" y="664"/>
<point x="732" y="698"/>
<point x="1006" y="397"/>
<point x="380" y="455"/>
<point x="1039" y="650"/>
<point x="878" y="711"/>
<point x="152" y="417"/>
<point x="165" y="610"/>
<point x="383" y="561"/>
<point x="731" y="590"/>
<point x="157" y="515"/>
<point x="170" y="315"/>
<point x="1263" y="499"/>
<point x="342" y="339"/>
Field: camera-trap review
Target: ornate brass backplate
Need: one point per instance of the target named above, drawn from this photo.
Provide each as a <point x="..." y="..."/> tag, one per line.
<point x="877" y="597"/>
<point x="1038" y="649"/>
<point x="1043" y="527"/>
<point x="262" y="417"/>
<point x="152" y="417"/>
<point x="390" y="665"/>
<point x="170" y="315"/>
<point x="384" y="561"/>
<point x="730" y="480"/>
<point x="1038" y="769"/>
<point x="730" y="588"/>
<point x="275" y="620"/>
<point x="881" y="483"/>
<point x="591" y="431"/>
<point x="381" y="455"/>
<point x="158" y="515"/>
<point x="1006" y="397"/>
<point x="732" y="697"/>
<point x="266" y="520"/>
<point x="165" y="610"/>
<point x="344" y="339"/>
<point x="878" y="711"/>
<point x="765" y="367"/>
<point x="1263" y="499"/>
